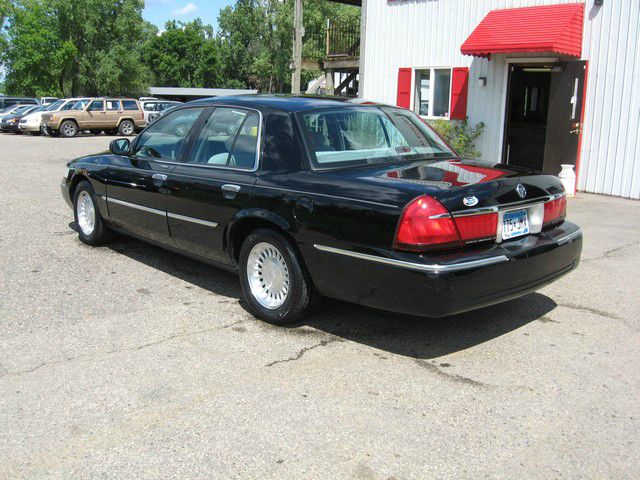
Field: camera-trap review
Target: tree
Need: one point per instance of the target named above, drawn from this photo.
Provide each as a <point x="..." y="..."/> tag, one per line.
<point x="184" y="55"/>
<point x="87" y="47"/>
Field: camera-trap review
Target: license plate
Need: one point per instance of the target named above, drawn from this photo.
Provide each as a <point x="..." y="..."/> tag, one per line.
<point x="515" y="224"/>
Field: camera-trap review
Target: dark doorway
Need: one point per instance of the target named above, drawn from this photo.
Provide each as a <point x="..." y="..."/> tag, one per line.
<point x="527" y="107"/>
<point x="544" y="105"/>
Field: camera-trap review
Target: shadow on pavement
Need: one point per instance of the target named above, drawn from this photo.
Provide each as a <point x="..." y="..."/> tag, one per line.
<point x="416" y="337"/>
<point x="425" y="338"/>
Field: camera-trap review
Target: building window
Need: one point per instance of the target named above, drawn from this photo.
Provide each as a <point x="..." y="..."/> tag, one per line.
<point x="432" y="92"/>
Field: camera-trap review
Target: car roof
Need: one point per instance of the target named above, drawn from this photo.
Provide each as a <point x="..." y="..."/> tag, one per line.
<point x="289" y="103"/>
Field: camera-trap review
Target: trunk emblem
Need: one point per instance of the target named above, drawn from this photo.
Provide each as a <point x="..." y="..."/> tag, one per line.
<point x="521" y="190"/>
<point x="470" y="201"/>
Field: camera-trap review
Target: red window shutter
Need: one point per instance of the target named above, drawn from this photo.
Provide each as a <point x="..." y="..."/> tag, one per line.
<point x="404" y="88"/>
<point x="459" y="88"/>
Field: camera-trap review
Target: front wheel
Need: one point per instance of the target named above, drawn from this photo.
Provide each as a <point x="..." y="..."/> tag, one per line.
<point x="91" y="227"/>
<point x="69" y="128"/>
<point x="274" y="280"/>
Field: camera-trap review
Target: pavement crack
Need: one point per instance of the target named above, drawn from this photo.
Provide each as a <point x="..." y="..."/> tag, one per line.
<point x="97" y="355"/>
<point x="229" y="325"/>
<point x="304" y="350"/>
<point x="595" y="311"/>
<point x="452" y="377"/>
<point x="609" y="253"/>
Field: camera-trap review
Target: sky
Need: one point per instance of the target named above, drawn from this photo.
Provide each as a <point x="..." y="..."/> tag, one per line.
<point x="159" y="11"/>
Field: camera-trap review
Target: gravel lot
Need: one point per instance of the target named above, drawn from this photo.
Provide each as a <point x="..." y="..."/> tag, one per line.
<point x="127" y="361"/>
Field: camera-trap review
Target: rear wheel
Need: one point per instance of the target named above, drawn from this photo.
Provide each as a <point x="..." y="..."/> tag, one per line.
<point x="69" y="128"/>
<point x="126" y="128"/>
<point x="274" y="281"/>
<point x="91" y="228"/>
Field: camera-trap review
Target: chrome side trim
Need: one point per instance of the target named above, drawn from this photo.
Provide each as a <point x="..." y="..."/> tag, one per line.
<point x="136" y="206"/>
<point x="192" y="220"/>
<point x="433" y="268"/>
<point x="569" y="238"/>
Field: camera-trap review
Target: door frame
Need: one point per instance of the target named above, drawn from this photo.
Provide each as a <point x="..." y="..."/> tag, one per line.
<point x="505" y="95"/>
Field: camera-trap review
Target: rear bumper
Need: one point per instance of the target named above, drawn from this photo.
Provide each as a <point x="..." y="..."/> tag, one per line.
<point x="445" y="284"/>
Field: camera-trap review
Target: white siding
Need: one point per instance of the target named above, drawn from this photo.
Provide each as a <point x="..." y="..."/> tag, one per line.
<point x="430" y="32"/>
<point x="610" y="161"/>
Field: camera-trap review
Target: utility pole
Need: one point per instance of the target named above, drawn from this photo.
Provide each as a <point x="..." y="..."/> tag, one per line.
<point x="298" y="33"/>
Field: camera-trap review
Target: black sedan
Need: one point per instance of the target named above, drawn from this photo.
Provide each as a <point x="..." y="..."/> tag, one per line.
<point x="306" y="196"/>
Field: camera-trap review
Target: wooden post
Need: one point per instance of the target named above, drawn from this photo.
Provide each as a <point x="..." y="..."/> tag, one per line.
<point x="298" y="32"/>
<point x="328" y="77"/>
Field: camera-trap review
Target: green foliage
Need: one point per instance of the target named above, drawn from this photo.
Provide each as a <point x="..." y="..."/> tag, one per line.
<point x="104" y="47"/>
<point x="57" y="47"/>
<point x="460" y="135"/>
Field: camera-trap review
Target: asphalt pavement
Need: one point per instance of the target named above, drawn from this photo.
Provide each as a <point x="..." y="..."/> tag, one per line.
<point x="127" y="361"/>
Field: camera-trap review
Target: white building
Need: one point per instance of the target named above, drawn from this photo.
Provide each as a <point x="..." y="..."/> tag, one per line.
<point x="554" y="81"/>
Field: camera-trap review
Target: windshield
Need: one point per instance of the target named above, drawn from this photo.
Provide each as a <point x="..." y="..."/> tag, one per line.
<point x="80" y="104"/>
<point x="54" y="106"/>
<point x="23" y="109"/>
<point x="366" y="135"/>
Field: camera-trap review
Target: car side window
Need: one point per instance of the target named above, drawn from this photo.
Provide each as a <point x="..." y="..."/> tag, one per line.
<point x="130" y="105"/>
<point x="229" y="138"/>
<point x="166" y="136"/>
<point x="96" y="106"/>
<point x="113" y="105"/>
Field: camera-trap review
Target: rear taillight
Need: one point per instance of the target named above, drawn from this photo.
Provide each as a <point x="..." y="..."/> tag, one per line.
<point x="426" y="224"/>
<point x="555" y="211"/>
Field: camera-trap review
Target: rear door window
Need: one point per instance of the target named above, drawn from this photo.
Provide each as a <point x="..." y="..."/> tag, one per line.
<point x="130" y="105"/>
<point x="113" y="105"/>
<point x="228" y="139"/>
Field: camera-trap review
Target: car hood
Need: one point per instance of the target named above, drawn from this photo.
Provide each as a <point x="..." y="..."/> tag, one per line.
<point x="33" y="116"/>
<point x="451" y="180"/>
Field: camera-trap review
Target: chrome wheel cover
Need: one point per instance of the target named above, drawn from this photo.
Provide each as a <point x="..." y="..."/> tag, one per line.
<point x="268" y="275"/>
<point x="127" y="128"/>
<point x="86" y="212"/>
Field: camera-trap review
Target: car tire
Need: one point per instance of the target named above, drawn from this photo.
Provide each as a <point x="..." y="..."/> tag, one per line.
<point x="126" y="128"/>
<point x="68" y="129"/>
<point x="92" y="229"/>
<point x="275" y="283"/>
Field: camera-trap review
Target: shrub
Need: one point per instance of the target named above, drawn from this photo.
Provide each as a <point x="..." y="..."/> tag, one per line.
<point x="460" y="135"/>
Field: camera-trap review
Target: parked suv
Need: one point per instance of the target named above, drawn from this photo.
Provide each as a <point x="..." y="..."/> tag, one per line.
<point x="32" y="123"/>
<point x="112" y="115"/>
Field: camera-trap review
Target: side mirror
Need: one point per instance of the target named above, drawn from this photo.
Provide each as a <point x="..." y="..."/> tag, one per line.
<point x="120" y="146"/>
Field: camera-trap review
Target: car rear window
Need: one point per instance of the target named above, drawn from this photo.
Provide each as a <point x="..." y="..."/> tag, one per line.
<point x="130" y="105"/>
<point x="366" y="135"/>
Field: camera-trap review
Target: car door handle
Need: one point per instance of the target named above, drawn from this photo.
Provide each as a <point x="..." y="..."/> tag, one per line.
<point x="160" y="177"/>
<point x="231" y="188"/>
<point x="230" y="191"/>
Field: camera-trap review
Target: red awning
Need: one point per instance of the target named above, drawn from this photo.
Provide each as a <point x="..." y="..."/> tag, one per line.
<point x="549" y="28"/>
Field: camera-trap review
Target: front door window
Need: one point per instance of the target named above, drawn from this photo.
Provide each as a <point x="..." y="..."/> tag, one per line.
<point x="166" y="137"/>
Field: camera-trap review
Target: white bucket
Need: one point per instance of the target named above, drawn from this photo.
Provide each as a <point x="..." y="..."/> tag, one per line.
<point x="568" y="178"/>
